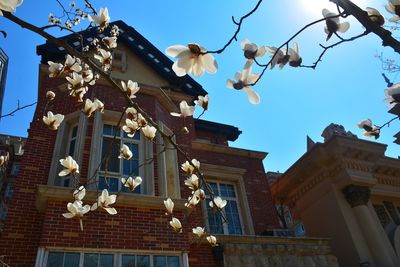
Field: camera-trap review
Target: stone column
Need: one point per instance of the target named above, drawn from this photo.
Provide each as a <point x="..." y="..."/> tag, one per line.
<point x="358" y="197"/>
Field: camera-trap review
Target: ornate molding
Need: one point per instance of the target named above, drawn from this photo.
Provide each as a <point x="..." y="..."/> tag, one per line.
<point x="356" y="195"/>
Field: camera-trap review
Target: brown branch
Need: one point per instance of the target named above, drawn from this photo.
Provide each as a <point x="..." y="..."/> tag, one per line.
<point x="17" y="109"/>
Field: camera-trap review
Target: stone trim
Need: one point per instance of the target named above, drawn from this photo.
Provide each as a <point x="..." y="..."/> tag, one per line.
<point x="356" y="195"/>
<point x="198" y="145"/>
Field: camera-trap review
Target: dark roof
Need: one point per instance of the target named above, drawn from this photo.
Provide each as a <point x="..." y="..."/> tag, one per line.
<point x="138" y="45"/>
<point x="231" y="132"/>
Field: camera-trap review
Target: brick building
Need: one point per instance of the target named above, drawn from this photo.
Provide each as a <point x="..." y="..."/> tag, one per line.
<point x="3" y="76"/>
<point x="36" y="233"/>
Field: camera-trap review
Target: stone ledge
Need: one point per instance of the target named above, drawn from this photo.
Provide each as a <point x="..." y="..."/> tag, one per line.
<point x="44" y="193"/>
<point x="199" y="145"/>
<point x="248" y="239"/>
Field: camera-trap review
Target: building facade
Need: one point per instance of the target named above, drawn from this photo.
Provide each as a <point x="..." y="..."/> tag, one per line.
<point x="3" y="76"/>
<point x="346" y="189"/>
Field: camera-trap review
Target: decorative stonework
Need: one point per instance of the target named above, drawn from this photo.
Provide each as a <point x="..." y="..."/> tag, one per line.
<point x="356" y="195"/>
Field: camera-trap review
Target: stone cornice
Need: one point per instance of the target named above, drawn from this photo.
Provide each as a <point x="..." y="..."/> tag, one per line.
<point x="222" y="239"/>
<point x="45" y="193"/>
<point x="219" y="170"/>
<point x="198" y="145"/>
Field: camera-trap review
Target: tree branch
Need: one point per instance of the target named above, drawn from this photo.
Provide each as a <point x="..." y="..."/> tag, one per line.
<point x="17" y="109"/>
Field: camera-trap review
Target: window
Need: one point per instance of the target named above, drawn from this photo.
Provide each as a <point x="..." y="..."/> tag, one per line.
<point x="70" y="151"/>
<point x="94" y="259"/>
<point x="113" y="168"/>
<point x="231" y="210"/>
<point x="15" y="169"/>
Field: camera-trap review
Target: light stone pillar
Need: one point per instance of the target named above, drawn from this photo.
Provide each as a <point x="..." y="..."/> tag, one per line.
<point x="358" y="197"/>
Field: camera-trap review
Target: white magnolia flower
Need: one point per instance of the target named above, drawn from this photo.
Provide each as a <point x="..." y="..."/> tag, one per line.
<point x="2" y="160"/>
<point x="130" y="127"/>
<point x="242" y="81"/>
<point x="393" y="7"/>
<point x="70" y="166"/>
<point x="9" y="5"/>
<point x="188" y="168"/>
<point x="50" y="95"/>
<point x="110" y="42"/>
<point x="169" y="206"/>
<point x="278" y="57"/>
<point x="79" y="193"/>
<point x="176" y="225"/>
<point x="105" y="59"/>
<point x="192" y="182"/>
<point x="198" y="231"/>
<point x="193" y="200"/>
<point x="89" y="107"/>
<point x="393" y="92"/>
<point x="375" y="16"/>
<point x="131" y="183"/>
<point x="141" y="121"/>
<point x="200" y="194"/>
<point x="251" y="50"/>
<point x="131" y="113"/>
<point x="53" y="121"/>
<point x="219" y="203"/>
<point x="125" y="152"/>
<point x="71" y="64"/>
<point x="87" y="76"/>
<point x="333" y="25"/>
<point x="99" y="104"/>
<point x="55" y="69"/>
<point x="75" y="85"/>
<point x="102" y="18"/>
<point x="370" y="130"/>
<point x="191" y="59"/>
<point x="202" y="101"/>
<point x="149" y="132"/>
<point x="131" y="88"/>
<point x="212" y="240"/>
<point x="186" y="110"/>
<point x="104" y="201"/>
<point x="294" y="57"/>
<point x="76" y="210"/>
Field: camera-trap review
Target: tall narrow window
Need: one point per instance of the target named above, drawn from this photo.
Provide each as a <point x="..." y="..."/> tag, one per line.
<point x="113" y="168"/>
<point x="72" y="139"/>
<point x="231" y="211"/>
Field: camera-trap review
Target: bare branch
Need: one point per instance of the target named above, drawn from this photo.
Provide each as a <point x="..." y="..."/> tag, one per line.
<point x="18" y="108"/>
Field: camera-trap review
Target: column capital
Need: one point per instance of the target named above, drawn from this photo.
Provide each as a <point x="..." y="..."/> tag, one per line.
<point x="356" y="195"/>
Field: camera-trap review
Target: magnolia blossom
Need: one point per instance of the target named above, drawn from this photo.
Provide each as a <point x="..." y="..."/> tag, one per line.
<point x="202" y="101"/>
<point x="131" y="113"/>
<point x="393" y="92"/>
<point x="72" y="64"/>
<point x="149" y="132"/>
<point x="141" y="121"/>
<point x="193" y="200"/>
<point x="105" y="59"/>
<point x="186" y="110"/>
<point x="251" y="50"/>
<point x="212" y="240"/>
<point x="198" y="231"/>
<point x="131" y="88"/>
<point x="99" y="104"/>
<point x="76" y="210"/>
<point x="393" y="7"/>
<point x="53" y="121"/>
<point x="3" y="159"/>
<point x="76" y="87"/>
<point x="192" y="182"/>
<point x="125" y="152"/>
<point x="294" y="57"/>
<point x="131" y="183"/>
<point x="169" y="206"/>
<point x="87" y="76"/>
<point x="333" y="25"/>
<point x="242" y="81"/>
<point x="130" y="127"/>
<point x="278" y="57"/>
<point x="191" y="59"/>
<point x="55" y="69"/>
<point x="219" y="203"/>
<point x="375" y="16"/>
<point x="370" y="130"/>
<point x="79" y="193"/>
<point x="102" y="18"/>
<point x="110" y="42"/>
<point x="104" y="201"/>
<point x="70" y="166"/>
<point x="89" y="107"/>
<point x="50" y="95"/>
<point x="9" y="5"/>
<point x="188" y="168"/>
<point x="176" y="225"/>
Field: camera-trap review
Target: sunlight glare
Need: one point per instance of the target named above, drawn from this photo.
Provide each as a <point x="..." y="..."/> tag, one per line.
<point x="314" y="7"/>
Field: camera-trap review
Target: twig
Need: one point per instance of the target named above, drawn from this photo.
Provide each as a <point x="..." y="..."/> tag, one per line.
<point x="17" y="109"/>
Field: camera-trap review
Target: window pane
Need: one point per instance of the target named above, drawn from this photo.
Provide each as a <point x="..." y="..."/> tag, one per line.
<point x="91" y="260"/>
<point x="131" y="167"/>
<point x="110" y="183"/>
<point x="74" y="131"/>
<point x="106" y="260"/>
<point x="173" y="261"/>
<point x="55" y="259"/>
<point x="128" y="261"/>
<point x="71" y="260"/>
<point x="227" y="190"/>
<point x="109" y="130"/>
<point x="135" y="137"/>
<point x="66" y="181"/>
<point x="232" y="215"/>
<point x="113" y="160"/>
<point x="214" y="189"/>
<point x="159" y="261"/>
<point x="214" y="220"/>
<point x="71" y="148"/>
<point x="143" y="261"/>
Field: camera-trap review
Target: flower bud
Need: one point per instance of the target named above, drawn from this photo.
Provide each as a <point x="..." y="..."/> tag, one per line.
<point x="50" y="95"/>
<point x="185" y="130"/>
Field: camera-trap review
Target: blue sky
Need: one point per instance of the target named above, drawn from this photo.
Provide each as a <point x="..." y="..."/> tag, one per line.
<point x="346" y="87"/>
